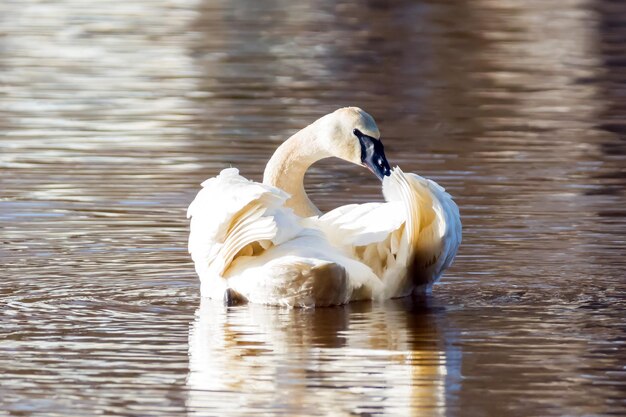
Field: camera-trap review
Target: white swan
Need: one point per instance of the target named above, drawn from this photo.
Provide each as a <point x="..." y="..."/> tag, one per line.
<point x="267" y="243"/>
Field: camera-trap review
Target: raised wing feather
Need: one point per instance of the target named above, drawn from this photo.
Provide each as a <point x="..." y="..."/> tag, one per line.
<point x="408" y="241"/>
<point x="433" y="224"/>
<point x="361" y="224"/>
<point x="446" y="228"/>
<point x="232" y="216"/>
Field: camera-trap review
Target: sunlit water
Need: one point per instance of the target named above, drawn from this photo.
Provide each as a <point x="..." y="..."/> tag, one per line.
<point x="113" y="112"/>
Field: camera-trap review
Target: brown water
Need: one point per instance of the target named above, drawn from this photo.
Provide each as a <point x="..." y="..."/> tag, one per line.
<point x="113" y="112"/>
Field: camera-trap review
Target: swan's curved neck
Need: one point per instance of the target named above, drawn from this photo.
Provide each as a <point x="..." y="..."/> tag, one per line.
<point x="286" y="168"/>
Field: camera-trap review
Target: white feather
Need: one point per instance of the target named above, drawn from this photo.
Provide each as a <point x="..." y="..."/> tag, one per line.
<point x="408" y="241"/>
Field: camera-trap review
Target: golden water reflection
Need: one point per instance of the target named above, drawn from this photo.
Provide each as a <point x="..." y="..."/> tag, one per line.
<point x="388" y="359"/>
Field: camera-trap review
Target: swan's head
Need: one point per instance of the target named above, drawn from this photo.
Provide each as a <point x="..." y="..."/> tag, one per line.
<point x="352" y="135"/>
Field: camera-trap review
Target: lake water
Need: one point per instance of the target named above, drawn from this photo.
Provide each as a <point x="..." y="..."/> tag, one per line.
<point x="113" y="112"/>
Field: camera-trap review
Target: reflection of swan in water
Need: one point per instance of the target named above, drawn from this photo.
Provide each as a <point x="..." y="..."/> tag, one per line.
<point x="357" y="359"/>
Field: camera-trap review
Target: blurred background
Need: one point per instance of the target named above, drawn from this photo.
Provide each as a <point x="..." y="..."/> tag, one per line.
<point x="112" y="113"/>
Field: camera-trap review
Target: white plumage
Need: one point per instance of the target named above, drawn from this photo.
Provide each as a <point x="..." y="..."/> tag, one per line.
<point x="267" y="245"/>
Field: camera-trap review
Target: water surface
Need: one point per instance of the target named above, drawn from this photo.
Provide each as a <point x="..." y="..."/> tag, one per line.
<point x="112" y="113"/>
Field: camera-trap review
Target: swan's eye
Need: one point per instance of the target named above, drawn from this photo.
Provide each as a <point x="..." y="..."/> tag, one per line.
<point x="357" y="133"/>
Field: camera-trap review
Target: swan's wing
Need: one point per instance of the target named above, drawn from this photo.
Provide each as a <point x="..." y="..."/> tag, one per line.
<point x="369" y="233"/>
<point x="433" y="223"/>
<point x="447" y="228"/>
<point x="231" y="217"/>
<point x="408" y="241"/>
<point x="360" y="224"/>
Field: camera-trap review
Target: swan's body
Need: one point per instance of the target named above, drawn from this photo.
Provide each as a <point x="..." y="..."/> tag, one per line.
<point x="266" y="243"/>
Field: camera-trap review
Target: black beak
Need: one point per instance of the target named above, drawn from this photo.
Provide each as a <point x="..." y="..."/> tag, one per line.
<point x="373" y="155"/>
